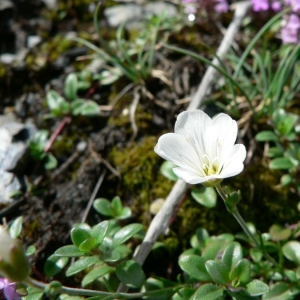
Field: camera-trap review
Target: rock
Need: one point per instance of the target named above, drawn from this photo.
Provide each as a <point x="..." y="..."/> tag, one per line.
<point x="132" y="14"/>
<point x="127" y="13"/>
<point x="14" y="139"/>
<point x="7" y="58"/>
<point x="5" y="4"/>
<point x="33" y="40"/>
<point x="51" y="4"/>
<point x="158" y="8"/>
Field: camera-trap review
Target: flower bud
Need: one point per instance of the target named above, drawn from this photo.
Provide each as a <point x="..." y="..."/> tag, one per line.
<point x="13" y="262"/>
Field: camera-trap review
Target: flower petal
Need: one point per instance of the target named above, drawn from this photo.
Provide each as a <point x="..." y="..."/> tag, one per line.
<point x="189" y="176"/>
<point x="192" y="125"/>
<point x="220" y="137"/>
<point x="176" y="149"/>
<point x="235" y="164"/>
<point x="10" y="293"/>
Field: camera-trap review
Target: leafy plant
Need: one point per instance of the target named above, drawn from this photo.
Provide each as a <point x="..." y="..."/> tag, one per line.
<point x="99" y="251"/>
<point x="113" y="209"/>
<point x="134" y="60"/>
<point x="37" y="150"/>
<point x="284" y="150"/>
<point x="75" y="106"/>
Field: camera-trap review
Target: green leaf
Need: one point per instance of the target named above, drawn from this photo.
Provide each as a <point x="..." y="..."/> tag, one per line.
<point x="126" y="233"/>
<point x="103" y="207"/>
<point x="68" y="250"/>
<point x="167" y="170"/>
<point x="57" y="104"/>
<point x="68" y="297"/>
<point x="256" y="254"/>
<point x="131" y="274"/>
<point x="206" y="196"/>
<point x="33" y="294"/>
<point x="278" y="291"/>
<point x="83" y="85"/>
<point x="71" y="86"/>
<point x="30" y="250"/>
<point x="214" y="248"/>
<point x="116" y="206"/>
<point x="88" y="244"/>
<point x="117" y="254"/>
<point x="84" y="107"/>
<point x="15" y="228"/>
<point x="90" y="109"/>
<point x="257" y="288"/>
<point x="79" y="235"/>
<point x="291" y="275"/>
<point x="232" y="255"/>
<point x="126" y="213"/>
<point x="77" y="106"/>
<point x="291" y="250"/>
<point x="81" y="265"/>
<point x="278" y="233"/>
<point x="95" y="274"/>
<point x="184" y="294"/>
<point x="286" y="179"/>
<point x="281" y="163"/>
<point x="218" y="271"/>
<point x="265" y="136"/>
<point x="50" y="162"/>
<point x="54" y="264"/>
<point x="199" y="239"/>
<point x="284" y="122"/>
<point x="99" y="231"/>
<point x="208" y="291"/>
<point x="274" y="152"/>
<point x="194" y="266"/>
<point x="240" y="273"/>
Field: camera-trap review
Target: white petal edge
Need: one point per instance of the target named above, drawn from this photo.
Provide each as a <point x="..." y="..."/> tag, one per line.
<point x="189" y="176"/>
<point x="235" y="163"/>
<point x="176" y="149"/>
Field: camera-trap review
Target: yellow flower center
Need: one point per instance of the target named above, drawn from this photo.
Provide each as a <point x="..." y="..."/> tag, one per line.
<point x="211" y="167"/>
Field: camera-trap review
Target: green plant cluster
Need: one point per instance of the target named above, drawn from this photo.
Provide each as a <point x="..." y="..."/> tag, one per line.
<point x="75" y="105"/>
<point x="284" y="146"/>
<point x="37" y="150"/>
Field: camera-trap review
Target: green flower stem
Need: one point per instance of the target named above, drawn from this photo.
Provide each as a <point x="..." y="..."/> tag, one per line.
<point x="244" y="226"/>
<point x="87" y="292"/>
<point x="238" y="217"/>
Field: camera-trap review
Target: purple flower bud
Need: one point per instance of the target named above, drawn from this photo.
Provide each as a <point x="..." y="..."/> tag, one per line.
<point x="8" y="290"/>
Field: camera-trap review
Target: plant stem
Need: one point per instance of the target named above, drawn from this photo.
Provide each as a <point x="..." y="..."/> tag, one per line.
<point x="244" y="226"/>
<point x="87" y="292"/>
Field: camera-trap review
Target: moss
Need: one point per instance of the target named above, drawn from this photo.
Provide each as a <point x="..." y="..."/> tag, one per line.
<point x="141" y="182"/>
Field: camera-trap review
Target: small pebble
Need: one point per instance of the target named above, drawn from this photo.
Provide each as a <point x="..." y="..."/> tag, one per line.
<point x="81" y="146"/>
<point x="33" y="40"/>
<point x="156" y="205"/>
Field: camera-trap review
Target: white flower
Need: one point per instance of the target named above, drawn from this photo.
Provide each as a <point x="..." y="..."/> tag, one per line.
<point x="203" y="148"/>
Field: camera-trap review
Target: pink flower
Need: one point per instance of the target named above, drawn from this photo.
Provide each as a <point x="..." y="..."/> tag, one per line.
<point x="295" y="5"/>
<point x="221" y="6"/>
<point x="8" y="290"/>
<point x="260" y="5"/>
<point x="290" y="30"/>
<point x="276" y="6"/>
